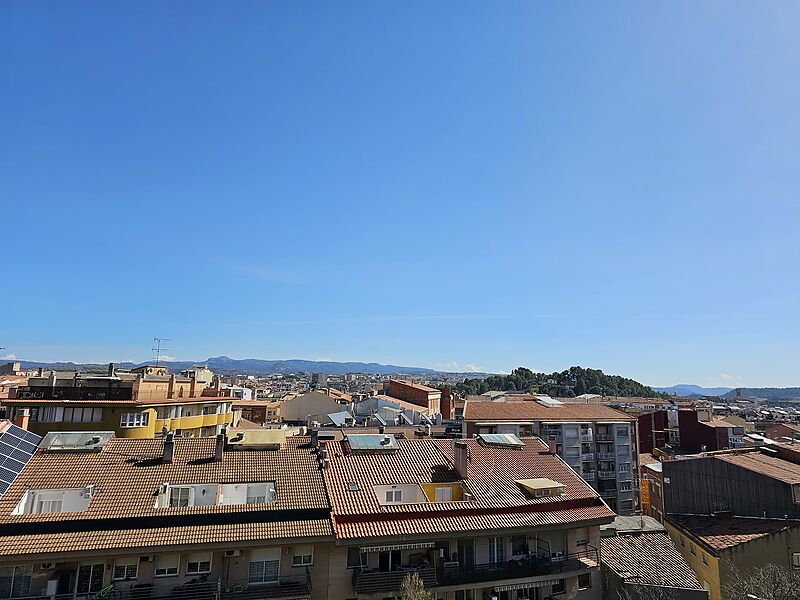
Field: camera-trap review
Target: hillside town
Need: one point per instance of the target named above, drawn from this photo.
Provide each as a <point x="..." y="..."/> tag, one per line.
<point x="141" y="483"/>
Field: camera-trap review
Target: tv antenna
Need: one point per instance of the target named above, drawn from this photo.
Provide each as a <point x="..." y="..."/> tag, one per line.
<point x="158" y="348"/>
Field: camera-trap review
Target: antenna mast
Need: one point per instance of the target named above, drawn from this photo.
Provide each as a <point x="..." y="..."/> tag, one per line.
<point x="158" y="348"/>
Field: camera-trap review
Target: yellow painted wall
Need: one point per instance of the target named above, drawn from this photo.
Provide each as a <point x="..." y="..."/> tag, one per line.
<point x="708" y="574"/>
<point x="430" y="490"/>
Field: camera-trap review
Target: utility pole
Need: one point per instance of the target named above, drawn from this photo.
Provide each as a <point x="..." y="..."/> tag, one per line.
<point x="158" y="348"/>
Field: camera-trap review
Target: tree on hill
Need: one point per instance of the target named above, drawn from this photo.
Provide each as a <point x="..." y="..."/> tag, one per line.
<point x="566" y="384"/>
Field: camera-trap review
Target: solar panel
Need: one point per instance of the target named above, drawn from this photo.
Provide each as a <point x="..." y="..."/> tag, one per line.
<point x="16" y="448"/>
<point x="372" y="442"/>
<point x="506" y="440"/>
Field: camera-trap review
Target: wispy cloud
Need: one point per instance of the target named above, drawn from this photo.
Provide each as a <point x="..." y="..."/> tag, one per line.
<point x="472" y="368"/>
<point x="455" y="367"/>
<point x="729" y="377"/>
<point x="10" y="357"/>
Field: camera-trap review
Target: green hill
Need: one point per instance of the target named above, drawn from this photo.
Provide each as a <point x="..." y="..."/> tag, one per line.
<point x="567" y="384"/>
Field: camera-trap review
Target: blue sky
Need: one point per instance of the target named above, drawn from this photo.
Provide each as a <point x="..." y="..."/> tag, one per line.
<point x="484" y="185"/>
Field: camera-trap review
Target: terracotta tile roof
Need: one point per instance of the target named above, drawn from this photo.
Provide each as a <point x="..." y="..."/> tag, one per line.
<point x="418" y="386"/>
<point x="128" y="473"/>
<point x="649" y="558"/>
<point x="497" y="501"/>
<point x="647" y="459"/>
<point x="720" y="533"/>
<point x="771" y="466"/>
<point x="533" y="411"/>
<point x="52" y="543"/>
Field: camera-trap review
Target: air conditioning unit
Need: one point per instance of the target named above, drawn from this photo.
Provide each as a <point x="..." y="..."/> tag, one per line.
<point x="231" y="553"/>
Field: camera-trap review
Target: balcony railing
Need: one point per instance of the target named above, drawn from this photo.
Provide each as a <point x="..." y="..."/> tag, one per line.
<point x="587" y="438"/>
<point x="532" y="566"/>
<point x="587" y="457"/>
<point x="589" y="475"/>
<point x="371" y="581"/>
<point x="607" y="474"/>
<point x="604" y="437"/>
<point x="612" y="493"/>
<point x="294" y="588"/>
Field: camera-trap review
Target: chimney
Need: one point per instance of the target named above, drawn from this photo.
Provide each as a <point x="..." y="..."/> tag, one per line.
<point x="551" y="447"/>
<point x="192" y="388"/>
<point x="169" y="448"/>
<point x="112" y="370"/>
<point x="314" y="438"/>
<point x="461" y="454"/>
<point x="171" y="389"/>
<point x="23" y="418"/>
<point x="219" y="447"/>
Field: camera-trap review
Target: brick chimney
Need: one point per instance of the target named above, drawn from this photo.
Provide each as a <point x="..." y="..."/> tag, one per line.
<point x="461" y="457"/>
<point x="219" y="447"/>
<point x="171" y="389"/>
<point x="169" y="448"/>
<point x="23" y="418"/>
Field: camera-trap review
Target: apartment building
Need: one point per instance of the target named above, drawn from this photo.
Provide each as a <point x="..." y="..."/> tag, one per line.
<point x="139" y="403"/>
<point x="722" y="548"/>
<point x="489" y="517"/>
<point x="598" y="442"/>
<point x="242" y="517"/>
<point x="700" y="432"/>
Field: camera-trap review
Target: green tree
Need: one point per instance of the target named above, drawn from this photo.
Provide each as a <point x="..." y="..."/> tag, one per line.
<point x="413" y="588"/>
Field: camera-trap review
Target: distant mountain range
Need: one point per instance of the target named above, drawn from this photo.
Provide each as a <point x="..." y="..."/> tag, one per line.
<point x="250" y="366"/>
<point x="774" y="394"/>
<point x="689" y="389"/>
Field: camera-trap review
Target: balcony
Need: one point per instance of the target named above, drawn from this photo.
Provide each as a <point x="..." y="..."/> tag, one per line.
<point x="607" y="456"/>
<point x="286" y="588"/>
<point x="612" y="493"/>
<point x="604" y="437"/>
<point x="533" y="566"/>
<point x="607" y="474"/>
<point x="587" y="457"/>
<point x="372" y="581"/>
<point x="589" y="475"/>
<point x="587" y="438"/>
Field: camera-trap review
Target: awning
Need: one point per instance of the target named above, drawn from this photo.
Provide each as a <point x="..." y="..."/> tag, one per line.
<point x="398" y="547"/>
<point x="525" y="586"/>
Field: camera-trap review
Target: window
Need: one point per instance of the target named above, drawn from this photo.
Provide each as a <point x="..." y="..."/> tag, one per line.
<point x="265" y="565"/>
<point x="559" y="587"/>
<point x="85" y="414"/>
<point x="167" y="565"/>
<point x="51" y="414"/>
<point x="796" y="560"/>
<point x="496" y="550"/>
<point x="259" y="493"/>
<point x="303" y="556"/>
<point x="444" y="494"/>
<point x="198" y="563"/>
<point x="519" y="545"/>
<point x="125" y="569"/>
<point x="180" y="496"/>
<point x="138" y="419"/>
<point x="355" y="558"/>
<point x="15" y="582"/>
<point x="394" y="496"/>
<point x="624" y="468"/>
<point x="585" y="581"/>
<point x="49" y="502"/>
<point x="705" y="558"/>
<point x="465" y="594"/>
<point x="90" y="578"/>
